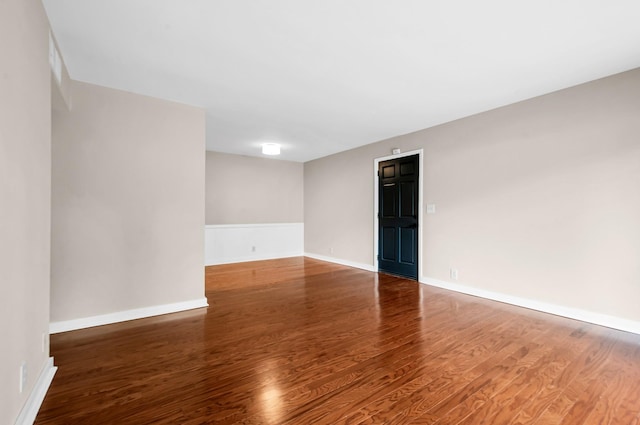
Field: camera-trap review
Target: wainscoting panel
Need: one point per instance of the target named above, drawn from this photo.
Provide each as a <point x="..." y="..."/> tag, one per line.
<point x="234" y="243"/>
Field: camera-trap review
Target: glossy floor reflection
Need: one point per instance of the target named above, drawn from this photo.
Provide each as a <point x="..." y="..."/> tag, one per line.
<point x="300" y="341"/>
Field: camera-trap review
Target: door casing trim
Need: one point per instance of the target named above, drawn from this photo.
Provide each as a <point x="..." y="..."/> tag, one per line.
<point x="376" y="162"/>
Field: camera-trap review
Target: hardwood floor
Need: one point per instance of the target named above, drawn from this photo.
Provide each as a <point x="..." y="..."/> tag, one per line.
<point x="299" y="341"/>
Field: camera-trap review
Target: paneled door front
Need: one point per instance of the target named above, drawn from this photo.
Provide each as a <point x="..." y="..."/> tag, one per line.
<point x="398" y="216"/>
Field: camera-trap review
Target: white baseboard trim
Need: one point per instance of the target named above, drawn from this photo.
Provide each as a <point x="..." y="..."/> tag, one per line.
<point x="367" y="267"/>
<point x="558" y="310"/>
<point x="122" y="316"/>
<point x="253" y="258"/>
<point x="30" y="410"/>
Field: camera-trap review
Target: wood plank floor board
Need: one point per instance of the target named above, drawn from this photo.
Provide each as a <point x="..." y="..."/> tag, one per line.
<point x="359" y="364"/>
<point x="389" y="375"/>
<point x="449" y="389"/>
<point x="552" y="401"/>
<point x="397" y="400"/>
<point x="456" y="350"/>
<point x="471" y="402"/>
<point x="457" y="405"/>
<point x="301" y="341"/>
<point x="628" y="409"/>
<point x="422" y="402"/>
<point x="503" y="406"/>
<point x="574" y="381"/>
<point x="620" y="369"/>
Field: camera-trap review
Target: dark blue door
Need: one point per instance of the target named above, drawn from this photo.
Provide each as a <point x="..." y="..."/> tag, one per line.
<point x="398" y="217"/>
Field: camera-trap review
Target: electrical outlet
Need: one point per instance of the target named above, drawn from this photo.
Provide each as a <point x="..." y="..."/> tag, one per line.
<point x="23" y="376"/>
<point x="453" y="273"/>
<point x="253" y="249"/>
<point x="331" y="250"/>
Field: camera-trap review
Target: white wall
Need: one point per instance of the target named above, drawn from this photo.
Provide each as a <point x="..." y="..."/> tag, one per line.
<point x="25" y="181"/>
<point x="234" y="243"/>
<point x="536" y="201"/>
<point x="127" y="205"/>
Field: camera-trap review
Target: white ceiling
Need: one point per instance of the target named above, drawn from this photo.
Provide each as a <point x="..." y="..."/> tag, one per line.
<point x="325" y="76"/>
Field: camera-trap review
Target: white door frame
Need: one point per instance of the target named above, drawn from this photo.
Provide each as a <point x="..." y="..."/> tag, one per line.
<point x="376" y="162"/>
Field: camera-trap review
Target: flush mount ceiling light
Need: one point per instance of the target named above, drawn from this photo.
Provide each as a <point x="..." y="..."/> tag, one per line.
<point x="271" y="149"/>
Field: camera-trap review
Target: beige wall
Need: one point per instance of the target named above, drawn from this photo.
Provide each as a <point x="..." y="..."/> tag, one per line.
<point x="127" y="203"/>
<point x="338" y="205"/>
<point x="248" y="190"/>
<point x="25" y="157"/>
<point x="537" y="200"/>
